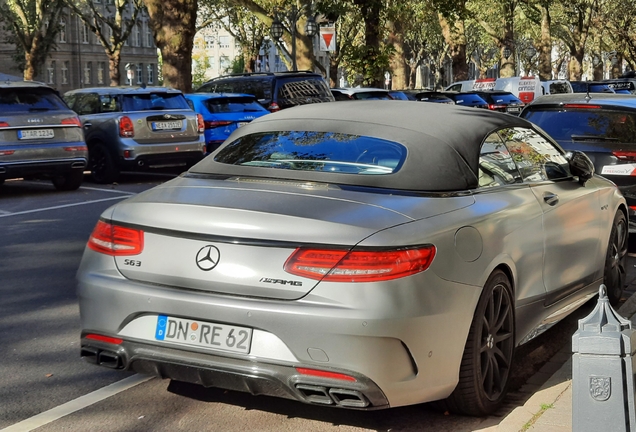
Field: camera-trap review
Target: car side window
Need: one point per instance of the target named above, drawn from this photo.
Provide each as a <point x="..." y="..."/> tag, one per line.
<point x="108" y="103"/>
<point x="87" y="103"/>
<point x="224" y="87"/>
<point x="496" y="167"/>
<point x="70" y="100"/>
<point x="536" y="158"/>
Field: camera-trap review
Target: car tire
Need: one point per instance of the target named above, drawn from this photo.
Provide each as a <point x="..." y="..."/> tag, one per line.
<point x="484" y="374"/>
<point x="615" y="259"/>
<point x="102" y="164"/>
<point x="69" y="181"/>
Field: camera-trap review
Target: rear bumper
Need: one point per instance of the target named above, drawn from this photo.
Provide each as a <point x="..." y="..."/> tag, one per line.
<point x="48" y="168"/>
<point x="162" y="160"/>
<point x="260" y="378"/>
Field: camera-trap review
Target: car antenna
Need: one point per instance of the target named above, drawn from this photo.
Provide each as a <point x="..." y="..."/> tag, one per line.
<point x="587" y="95"/>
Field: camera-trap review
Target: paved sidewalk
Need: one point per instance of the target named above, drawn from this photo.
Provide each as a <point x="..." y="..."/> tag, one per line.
<point x="549" y="409"/>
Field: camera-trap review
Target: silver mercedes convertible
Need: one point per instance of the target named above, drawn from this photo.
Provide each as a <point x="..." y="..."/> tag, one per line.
<point x="369" y="256"/>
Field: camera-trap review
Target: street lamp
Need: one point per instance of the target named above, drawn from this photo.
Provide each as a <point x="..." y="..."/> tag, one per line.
<point x="311" y="27"/>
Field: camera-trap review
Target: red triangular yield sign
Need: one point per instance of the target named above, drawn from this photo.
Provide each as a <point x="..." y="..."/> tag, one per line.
<point x="327" y="37"/>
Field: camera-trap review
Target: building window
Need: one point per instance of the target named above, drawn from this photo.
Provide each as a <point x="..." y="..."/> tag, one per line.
<point x="224" y="63"/>
<point x="149" y="39"/>
<point x="212" y="62"/>
<point x="88" y="72"/>
<point x="62" y="30"/>
<point x="137" y="39"/>
<point x="50" y="73"/>
<point x="100" y="72"/>
<point x="140" y="77"/>
<point x="209" y="42"/>
<point x="65" y="67"/>
<point x="84" y="32"/>
<point x="150" y="73"/>
<point x="224" y="41"/>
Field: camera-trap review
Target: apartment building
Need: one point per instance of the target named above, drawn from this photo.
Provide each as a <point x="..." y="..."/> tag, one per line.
<point x="79" y="59"/>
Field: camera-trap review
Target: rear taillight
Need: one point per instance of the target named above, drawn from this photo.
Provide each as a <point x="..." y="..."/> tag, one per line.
<point x="75" y="121"/>
<point x="116" y="240"/>
<point x="76" y="148"/>
<point x="6" y="152"/>
<point x="496" y="107"/>
<point x="625" y="155"/>
<point x="359" y="266"/>
<point x="273" y="107"/>
<point x="4" y="124"/>
<point x="126" y="127"/>
<point x="211" y="124"/>
<point x="200" y="124"/>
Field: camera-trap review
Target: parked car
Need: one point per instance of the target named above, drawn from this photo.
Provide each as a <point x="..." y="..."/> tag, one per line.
<point x="432" y="96"/>
<point x="591" y="87"/>
<point x="467" y="99"/>
<point x="602" y="125"/>
<point x="470" y="85"/>
<point x="274" y="90"/>
<point x="622" y="85"/>
<point x="360" y="93"/>
<point x="223" y="113"/>
<point x="528" y="88"/>
<point x="137" y="129"/>
<point x="501" y="101"/>
<point x="398" y="95"/>
<point x="439" y="241"/>
<point x="40" y="136"/>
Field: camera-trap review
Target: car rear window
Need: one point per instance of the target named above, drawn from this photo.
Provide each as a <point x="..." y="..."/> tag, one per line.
<point x="154" y="101"/>
<point x="315" y="151"/>
<point x="619" y="126"/>
<point x="507" y="98"/>
<point x="303" y="88"/>
<point x="466" y="99"/>
<point x="234" y="104"/>
<point x="559" y="87"/>
<point x="30" y="100"/>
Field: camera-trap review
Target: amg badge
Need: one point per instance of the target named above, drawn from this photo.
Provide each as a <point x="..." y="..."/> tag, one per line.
<point x="281" y="282"/>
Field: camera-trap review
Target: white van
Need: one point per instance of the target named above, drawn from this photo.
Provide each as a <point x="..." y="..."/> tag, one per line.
<point x="478" y="84"/>
<point x="529" y="88"/>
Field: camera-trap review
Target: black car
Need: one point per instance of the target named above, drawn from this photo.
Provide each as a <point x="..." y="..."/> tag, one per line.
<point x="432" y="96"/>
<point x="467" y="99"/>
<point x="622" y="85"/>
<point x="502" y="101"/>
<point x="274" y="90"/>
<point x="602" y="125"/>
<point x="591" y="87"/>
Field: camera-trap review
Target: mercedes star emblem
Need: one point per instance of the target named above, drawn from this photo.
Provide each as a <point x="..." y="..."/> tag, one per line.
<point x="208" y="257"/>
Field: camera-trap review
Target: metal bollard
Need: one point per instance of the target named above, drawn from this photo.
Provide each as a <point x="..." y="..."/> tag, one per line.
<point x="603" y="371"/>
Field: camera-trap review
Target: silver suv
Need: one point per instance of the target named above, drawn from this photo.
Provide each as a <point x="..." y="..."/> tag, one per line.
<point x="137" y="129"/>
<point x="39" y="136"/>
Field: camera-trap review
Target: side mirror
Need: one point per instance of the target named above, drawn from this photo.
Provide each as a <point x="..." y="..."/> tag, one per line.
<point x="580" y="166"/>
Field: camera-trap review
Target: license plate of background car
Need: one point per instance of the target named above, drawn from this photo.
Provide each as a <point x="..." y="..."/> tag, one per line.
<point x="166" y="125"/>
<point x="203" y="334"/>
<point x="35" y="134"/>
<point x="514" y="109"/>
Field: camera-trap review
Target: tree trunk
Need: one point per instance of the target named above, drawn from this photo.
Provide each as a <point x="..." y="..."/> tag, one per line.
<point x="575" y="70"/>
<point x="114" y="61"/>
<point x="29" y="68"/>
<point x="399" y="67"/>
<point x="173" y="24"/>
<point x="374" y="73"/>
<point x="455" y="37"/>
<point x="334" y="62"/>
<point x="617" y="66"/>
<point x="545" y="46"/>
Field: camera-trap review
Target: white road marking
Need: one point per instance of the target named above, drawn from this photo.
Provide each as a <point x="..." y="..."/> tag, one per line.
<point x="108" y="190"/>
<point x="61" y="206"/>
<point x="77" y="404"/>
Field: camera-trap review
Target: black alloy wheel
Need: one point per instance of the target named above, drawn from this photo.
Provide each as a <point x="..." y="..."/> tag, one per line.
<point x="69" y="181"/>
<point x="485" y="368"/>
<point x="102" y="165"/>
<point x="616" y="258"/>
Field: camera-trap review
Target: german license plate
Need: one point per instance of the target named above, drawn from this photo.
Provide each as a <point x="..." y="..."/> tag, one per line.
<point x="514" y="109"/>
<point x="203" y="334"/>
<point x="35" y="134"/>
<point x="167" y="125"/>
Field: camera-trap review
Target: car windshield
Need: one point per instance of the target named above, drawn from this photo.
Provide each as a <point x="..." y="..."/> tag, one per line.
<point x="154" y="101"/>
<point x="315" y="151"/>
<point x="505" y="98"/>
<point x="579" y="124"/>
<point x="35" y="99"/>
<point x="234" y="104"/>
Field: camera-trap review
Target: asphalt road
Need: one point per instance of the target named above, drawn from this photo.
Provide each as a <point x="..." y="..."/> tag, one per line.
<point x="45" y="386"/>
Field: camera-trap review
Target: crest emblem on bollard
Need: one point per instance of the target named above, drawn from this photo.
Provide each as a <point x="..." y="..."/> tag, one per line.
<point x="600" y="388"/>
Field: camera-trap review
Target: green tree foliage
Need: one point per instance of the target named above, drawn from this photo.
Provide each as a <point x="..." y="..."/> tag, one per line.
<point x="33" y="27"/>
<point x="112" y="23"/>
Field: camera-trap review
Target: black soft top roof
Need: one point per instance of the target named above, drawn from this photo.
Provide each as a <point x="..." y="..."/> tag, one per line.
<point x="443" y="141"/>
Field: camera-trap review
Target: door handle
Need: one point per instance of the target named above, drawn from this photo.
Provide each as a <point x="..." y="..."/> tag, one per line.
<point x="87" y="125"/>
<point x="550" y="198"/>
